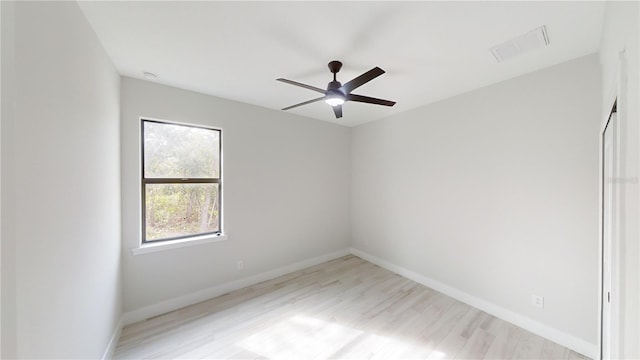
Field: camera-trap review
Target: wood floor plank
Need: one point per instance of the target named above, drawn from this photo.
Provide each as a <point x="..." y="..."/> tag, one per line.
<point x="477" y="345"/>
<point x="346" y="308"/>
<point x="552" y="351"/>
<point x="506" y="340"/>
<point x="575" y="356"/>
<point x="529" y="347"/>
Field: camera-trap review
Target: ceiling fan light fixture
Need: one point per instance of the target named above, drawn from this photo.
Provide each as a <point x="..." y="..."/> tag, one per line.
<point x="334" y="100"/>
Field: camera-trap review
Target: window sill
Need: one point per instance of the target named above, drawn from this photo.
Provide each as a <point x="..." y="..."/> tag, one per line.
<point x="175" y="244"/>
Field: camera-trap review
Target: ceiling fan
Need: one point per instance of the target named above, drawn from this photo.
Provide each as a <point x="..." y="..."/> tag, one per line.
<point x="337" y="94"/>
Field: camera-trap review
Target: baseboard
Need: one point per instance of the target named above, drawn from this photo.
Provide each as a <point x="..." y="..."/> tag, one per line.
<point x="111" y="347"/>
<point x="560" y="337"/>
<point x="205" y="294"/>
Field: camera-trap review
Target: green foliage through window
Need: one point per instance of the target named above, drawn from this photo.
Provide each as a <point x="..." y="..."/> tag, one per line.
<point x="181" y="180"/>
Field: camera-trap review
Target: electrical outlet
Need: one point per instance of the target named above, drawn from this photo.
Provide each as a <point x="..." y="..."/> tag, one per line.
<point x="537" y="301"/>
<point x="240" y="265"/>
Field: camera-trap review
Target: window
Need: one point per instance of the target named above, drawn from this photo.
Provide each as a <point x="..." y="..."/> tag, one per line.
<point x="181" y="181"/>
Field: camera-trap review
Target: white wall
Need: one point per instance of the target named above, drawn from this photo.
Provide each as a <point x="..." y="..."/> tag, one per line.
<point x="494" y="193"/>
<point x="621" y="79"/>
<point x="8" y="244"/>
<point x="286" y="192"/>
<point x="64" y="172"/>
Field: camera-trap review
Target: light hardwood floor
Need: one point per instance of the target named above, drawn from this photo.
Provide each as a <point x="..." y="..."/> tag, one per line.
<point x="347" y="308"/>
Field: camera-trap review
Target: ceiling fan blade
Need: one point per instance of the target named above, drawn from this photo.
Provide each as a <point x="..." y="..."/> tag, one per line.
<point x="322" y="91"/>
<point x="338" y="111"/>
<point x="369" y="100"/>
<point x="361" y="80"/>
<point x="303" y="103"/>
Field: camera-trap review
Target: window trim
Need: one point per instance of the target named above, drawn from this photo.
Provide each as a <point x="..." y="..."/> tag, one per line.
<point x="145" y="181"/>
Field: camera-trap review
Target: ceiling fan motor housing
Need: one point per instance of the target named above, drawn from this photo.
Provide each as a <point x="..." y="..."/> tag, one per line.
<point x="334" y="85"/>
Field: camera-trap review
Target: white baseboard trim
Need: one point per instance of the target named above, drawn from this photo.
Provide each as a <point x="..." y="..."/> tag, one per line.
<point x="560" y="337"/>
<point x="166" y="306"/>
<point x="111" y="346"/>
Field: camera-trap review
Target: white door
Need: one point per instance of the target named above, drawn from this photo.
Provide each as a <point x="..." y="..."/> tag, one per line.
<point x="609" y="241"/>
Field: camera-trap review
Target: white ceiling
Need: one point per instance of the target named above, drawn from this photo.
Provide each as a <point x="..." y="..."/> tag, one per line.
<point x="430" y="50"/>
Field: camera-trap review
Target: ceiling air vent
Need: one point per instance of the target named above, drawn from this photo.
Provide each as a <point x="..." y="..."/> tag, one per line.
<point x="534" y="39"/>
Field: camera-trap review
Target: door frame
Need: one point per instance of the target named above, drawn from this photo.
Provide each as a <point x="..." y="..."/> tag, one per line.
<point x="615" y="245"/>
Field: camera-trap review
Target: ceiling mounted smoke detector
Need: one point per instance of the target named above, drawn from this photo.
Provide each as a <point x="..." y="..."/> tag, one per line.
<point x="534" y="39"/>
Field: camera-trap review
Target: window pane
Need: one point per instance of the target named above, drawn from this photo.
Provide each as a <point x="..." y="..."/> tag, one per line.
<point x="174" y="210"/>
<point x="177" y="151"/>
